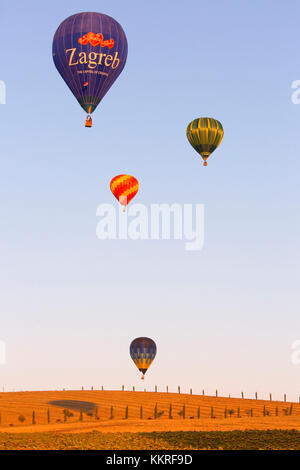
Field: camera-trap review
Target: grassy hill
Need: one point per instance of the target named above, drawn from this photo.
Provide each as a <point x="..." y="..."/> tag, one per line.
<point x="117" y="411"/>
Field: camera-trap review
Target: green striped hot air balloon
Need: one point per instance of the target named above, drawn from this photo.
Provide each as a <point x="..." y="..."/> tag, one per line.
<point x="205" y="135"/>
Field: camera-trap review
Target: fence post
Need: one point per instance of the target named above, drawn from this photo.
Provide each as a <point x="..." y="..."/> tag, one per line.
<point x="156" y="388"/>
<point x="211" y="412"/>
<point x="170" y="412"/>
<point x="48" y="416"/>
<point x="238" y="412"/>
<point x="126" y="412"/>
<point x="216" y="393"/>
<point x="198" y="412"/>
<point x="242" y="394"/>
<point x="183" y="411"/>
<point x="141" y="412"/>
<point x="285" y="397"/>
<point x="111" y="412"/>
<point x="191" y="391"/>
<point x="155" y="411"/>
<point x="81" y="415"/>
<point x="255" y="395"/>
<point x="122" y="388"/>
<point x="291" y="409"/>
<point x="270" y="396"/>
<point x="33" y="417"/>
<point x="203" y="392"/>
<point x="251" y="412"/>
<point x="178" y="388"/>
<point x="167" y="389"/>
<point x="225" y="413"/>
<point x="276" y="411"/>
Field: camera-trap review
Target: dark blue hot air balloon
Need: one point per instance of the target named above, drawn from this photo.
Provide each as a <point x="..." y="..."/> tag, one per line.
<point x="89" y="51"/>
<point x="142" y="352"/>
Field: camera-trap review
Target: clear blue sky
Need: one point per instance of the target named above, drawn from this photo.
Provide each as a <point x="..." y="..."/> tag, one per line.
<point x="224" y="317"/>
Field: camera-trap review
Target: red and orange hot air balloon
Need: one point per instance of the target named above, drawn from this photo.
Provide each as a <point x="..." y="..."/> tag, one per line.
<point x="124" y="188"/>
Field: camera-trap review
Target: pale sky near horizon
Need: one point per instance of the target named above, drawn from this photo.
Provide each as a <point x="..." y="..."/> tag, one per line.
<point x="224" y="317"/>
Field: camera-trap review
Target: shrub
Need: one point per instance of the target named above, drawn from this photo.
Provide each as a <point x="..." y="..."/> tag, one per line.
<point x="182" y="412"/>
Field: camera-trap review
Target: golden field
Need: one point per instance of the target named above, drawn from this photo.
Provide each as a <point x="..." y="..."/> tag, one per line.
<point x="212" y="409"/>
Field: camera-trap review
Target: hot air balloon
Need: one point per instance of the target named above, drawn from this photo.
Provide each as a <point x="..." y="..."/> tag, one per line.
<point x="142" y="352"/>
<point x="205" y="135"/>
<point x="124" y="188"/>
<point x="89" y="51"/>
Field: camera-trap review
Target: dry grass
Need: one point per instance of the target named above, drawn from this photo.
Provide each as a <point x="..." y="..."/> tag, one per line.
<point x="14" y="404"/>
<point x="230" y="440"/>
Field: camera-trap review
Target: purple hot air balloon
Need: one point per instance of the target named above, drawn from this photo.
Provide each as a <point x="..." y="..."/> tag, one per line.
<point x="89" y="51"/>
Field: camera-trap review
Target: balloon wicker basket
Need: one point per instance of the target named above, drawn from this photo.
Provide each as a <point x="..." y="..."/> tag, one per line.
<point x="88" y="121"/>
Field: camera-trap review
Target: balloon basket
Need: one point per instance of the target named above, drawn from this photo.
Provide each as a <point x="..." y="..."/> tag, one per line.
<point x="88" y="121"/>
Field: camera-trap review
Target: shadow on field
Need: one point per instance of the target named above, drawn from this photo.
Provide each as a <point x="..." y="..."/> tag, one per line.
<point x="77" y="405"/>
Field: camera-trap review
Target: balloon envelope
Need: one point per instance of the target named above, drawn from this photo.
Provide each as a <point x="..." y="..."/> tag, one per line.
<point x="89" y="51"/>
<point x="205" y="135"/>
<point x="142" y="352"/>
<point x="124" y="188"/>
